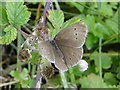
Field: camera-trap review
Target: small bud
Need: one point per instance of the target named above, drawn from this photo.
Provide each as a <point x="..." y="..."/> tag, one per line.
<point x="83" y="65"/>
<point x="47" y="70"/>
<point x="24" y="55"/>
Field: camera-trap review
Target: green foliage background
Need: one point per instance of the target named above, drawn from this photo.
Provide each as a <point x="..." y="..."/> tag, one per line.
<point x="101" y="49"/>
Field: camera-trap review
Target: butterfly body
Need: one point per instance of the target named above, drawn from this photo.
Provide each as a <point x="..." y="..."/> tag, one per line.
<point x="57" y="48"/>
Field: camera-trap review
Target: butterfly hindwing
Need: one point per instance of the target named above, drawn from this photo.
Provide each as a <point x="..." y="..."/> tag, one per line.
<point x="46" y="50"/>
<point x="71" y="55"/>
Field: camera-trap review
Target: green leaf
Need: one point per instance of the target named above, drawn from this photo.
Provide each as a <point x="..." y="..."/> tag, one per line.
<point x="3" y="16"/>
<point x="70" y="22"/>
<point x="106" y="60"/>
<point x="77" y="5"/>
<point x="52" y="82"/>
<point x="113" y="26"/>
<point x="24" y="74"/>
<point x="35" y="57"/>
<point x="16" y="75"/>
<point x="24" y="83"/>
<point x="118" y="72"/>
<point x="92" y="81"/>
<point x="90" y="21"/>
<point x="110" y="78"/>
<point x="114" y="4"/>
<point x="106" y="9"/>
<point x="101" y="31"/>
<point x="21" y="77"/>
<point x="53" y="32"/>
<point x="56" y="17"/>
<point x="17" y="13"/>
<point x="10" y="35"/>
<point x="91" y="41"/>
<point x="112" y="23"/>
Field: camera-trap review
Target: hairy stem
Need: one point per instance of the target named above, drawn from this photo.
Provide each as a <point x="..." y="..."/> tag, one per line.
<point x="100" y="61"/>
<point x="72" y="77"/>
<point x="18" y="49"/>
<point x="64" y="81"/>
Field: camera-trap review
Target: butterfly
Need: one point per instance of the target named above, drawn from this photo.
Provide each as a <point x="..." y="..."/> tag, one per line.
<point x="66" y="48"/>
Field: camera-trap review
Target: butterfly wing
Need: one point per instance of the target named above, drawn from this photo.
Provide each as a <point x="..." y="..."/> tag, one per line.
<point x="71" y="55"/>
<point x="70" y="41"/>
<point x="73" y="35"/>
<point x="59" y="62"/>
<point x="47" y="50"/>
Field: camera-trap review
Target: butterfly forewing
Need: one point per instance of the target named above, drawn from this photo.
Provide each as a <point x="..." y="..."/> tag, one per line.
<point x="73" y="35"/>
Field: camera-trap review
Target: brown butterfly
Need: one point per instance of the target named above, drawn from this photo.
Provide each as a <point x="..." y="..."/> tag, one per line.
<point x="65" y="50"/>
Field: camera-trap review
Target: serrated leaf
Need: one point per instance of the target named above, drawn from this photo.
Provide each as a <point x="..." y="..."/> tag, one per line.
<point x="77" y="5"/>
<point x="56" y="17"/>
<point x="17" y="13"/>
<point x="70" y="22"/>
<point x="53" y="32"/>
<point x="24" y="73"/>
<point x="106" y="9"/>
<point x="3" y="16"/>
<point x="90" y="21"/>
<point x="25" y="83"/>
<point x="114" y="4"/>
<point x="10" y="35"/>
<point x="35" y="57"/>
<point x="112" y="23"/>
<point x="118" y="72"/>
<point x="90" y="41"/>
<point x="105" y="60"/>
<point x="101" y="31"/>
<point x="21" y="77"/>
<point x="110" y="78"/>
<point x="16" y="75"/>
<point x="92" y="81"/>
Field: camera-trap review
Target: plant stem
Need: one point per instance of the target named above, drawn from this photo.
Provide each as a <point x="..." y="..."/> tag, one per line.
<point x="72" y="77"/>
<point x="18" y="49"/>
<point x="38" y="12"/>
<point x="47" y="7"/>
<point x="8" y="83"/>
<point x="63" y="78"/>
<point x="57" y="5"/>
<point x="38" y="77"/>
<point x="100" y="61"/>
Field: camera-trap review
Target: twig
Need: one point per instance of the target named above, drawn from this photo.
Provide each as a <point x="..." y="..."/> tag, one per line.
<point x="23" y="33"/>
<point x="27" y="29"/>
<point x="44" y="14"/>
<point x="42" y="25"/>
<point x="9" y="83"/>
<point x="12" y="82"/>
<point x="38" y="77"/>
<point x="38" y="12"/>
